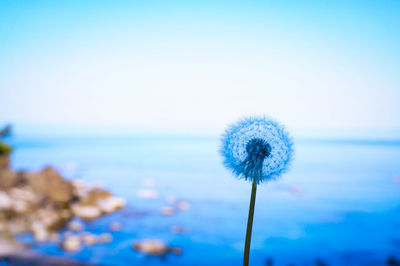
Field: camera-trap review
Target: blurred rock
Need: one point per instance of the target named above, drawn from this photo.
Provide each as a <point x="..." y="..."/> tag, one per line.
<point x="24" y="193"/>
<point x="20" y="206"/>
<point x="5" y="201"/>
<point x="50" y="184"/>
<point x="89" y="239"/>
<point x="110" y="204"/>
<point x="9" y="178"/>
<point x="8" y="246"/>
<point x="105" y="238"/>
<point x="96" y="203"/>
<point x="4" y="161"/>
<point x="80" y="189"/>
<point x="75" y="226"/>
<point x="54" y="237"/>
<point x="183" y="206"/>
<point x="86" y="212"/>
<point x="39" y="232"/>
<point x="53" y="219"/>
<point x="14" y="226"/>
<point x="167" y="210"/>
<point x="175" y="250"/>
<point x="155" y="247"/>
<point x="44" y="202"/>
<point x="71" y="243"/>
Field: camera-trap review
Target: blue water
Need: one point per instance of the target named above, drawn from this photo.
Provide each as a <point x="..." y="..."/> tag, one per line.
<point x="340" y="203"/>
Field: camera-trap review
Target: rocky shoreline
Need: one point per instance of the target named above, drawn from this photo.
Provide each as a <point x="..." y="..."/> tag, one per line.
<point x="43" y="203"/>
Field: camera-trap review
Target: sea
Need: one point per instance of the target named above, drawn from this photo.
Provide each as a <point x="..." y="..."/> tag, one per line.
<point x="338" y="205"/>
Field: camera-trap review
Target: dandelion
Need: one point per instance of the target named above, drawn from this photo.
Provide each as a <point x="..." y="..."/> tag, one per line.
<point x="257" y="149"/>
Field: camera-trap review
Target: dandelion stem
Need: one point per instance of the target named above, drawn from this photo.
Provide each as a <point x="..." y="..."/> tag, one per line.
<point x="250" y="224"/>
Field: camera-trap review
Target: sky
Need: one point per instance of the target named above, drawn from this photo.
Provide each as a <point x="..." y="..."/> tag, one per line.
<point x="194" y="66"/>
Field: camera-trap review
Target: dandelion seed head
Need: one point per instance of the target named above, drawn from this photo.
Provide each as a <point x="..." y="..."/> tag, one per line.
<point x="257" y="148"/>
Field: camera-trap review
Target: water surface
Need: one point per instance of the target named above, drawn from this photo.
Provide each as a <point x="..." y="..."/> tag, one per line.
<point x="339" y="203"/>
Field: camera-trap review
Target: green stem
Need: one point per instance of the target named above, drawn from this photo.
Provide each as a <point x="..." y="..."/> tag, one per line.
<point x="249" y="224"/>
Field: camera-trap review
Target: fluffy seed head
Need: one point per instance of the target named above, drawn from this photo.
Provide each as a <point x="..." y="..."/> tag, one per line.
<point x="257" y="148"/>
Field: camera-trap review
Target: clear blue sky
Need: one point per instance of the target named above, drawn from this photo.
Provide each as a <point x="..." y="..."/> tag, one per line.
<point x="195" y="66"/>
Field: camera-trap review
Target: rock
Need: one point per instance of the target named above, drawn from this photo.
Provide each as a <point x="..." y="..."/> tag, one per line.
<point x="78" y="183"/>
<point x="50" y="184"/>
<point x="86" y="212"/>
<point x="20" y="206"/>
<point x="167" y="210"/>
<point x="110" y="204"/>
<point x="65" y="214"/>
<point x="183" y="206"/>
<point x="80" y="188"/>
<point x="53" y="219"/>
<point x="115" y="226"/>
<point x="15" y="225"/>
<point x="75" y="226"/>
<point x="8" y="247"/>
<point x="105" y="238"/>
<point x="147" y="194"/>
<point x="155" y="247"/>
<point x="175" y="250"/>
<point x="24" y="193"/>
<point x="39" y="232"/>
<point x="89" y="239"/>
<point x="96" y="203"/>
<point x="43" y="202"/>
<point x="24" y="201"/>
<point x="92" y="239"/>
<point x="94" y="195"/>
<point x="8" y="179"/>
<point x="54" y="237"/>
<point x="4" y="161"/>
<point x="6" y="202"/>
<point x="71" y="243"/>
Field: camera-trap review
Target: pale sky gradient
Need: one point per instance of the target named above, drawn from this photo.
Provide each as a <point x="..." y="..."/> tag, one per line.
<point x="175" y="66"/>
